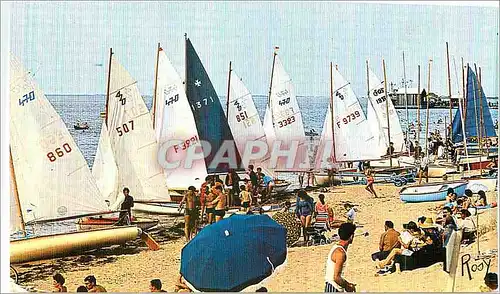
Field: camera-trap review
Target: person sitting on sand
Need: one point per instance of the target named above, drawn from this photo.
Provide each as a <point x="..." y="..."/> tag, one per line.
<point x="220" y="202"/>
<point x="490" y="283"/>
<point x="91" y="284"/>
<point x="388" y="241"/>
<point x="246" y="199"/>
<point x="466" y="222"/>
<point x="412" y="240"/>
<point x="81" y="289"/>
<point x="482" y="199"/>
<point x="58" y="282"/>
<point x="181" y="286"/>
<point x="190" y="212"/>
<point x="449" y="225"/>
<point x="351" y="212"/>
<point x="155" y="286"/>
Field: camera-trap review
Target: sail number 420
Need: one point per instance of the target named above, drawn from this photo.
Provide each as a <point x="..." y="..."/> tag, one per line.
<point x="59" y="152"/>
<point x="124" y="128"/>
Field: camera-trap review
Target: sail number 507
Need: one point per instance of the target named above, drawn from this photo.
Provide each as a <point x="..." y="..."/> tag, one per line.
<point x="124" y="128"/>
<point x="59" y="152"/>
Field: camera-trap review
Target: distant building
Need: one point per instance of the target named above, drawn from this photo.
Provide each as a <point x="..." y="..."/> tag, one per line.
<point x="398" y="96"/>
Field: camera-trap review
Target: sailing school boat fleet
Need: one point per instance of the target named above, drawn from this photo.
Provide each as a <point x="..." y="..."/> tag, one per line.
<point x="186" y="137"/>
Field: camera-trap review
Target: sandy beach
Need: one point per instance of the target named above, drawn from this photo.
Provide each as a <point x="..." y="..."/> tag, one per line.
<point x="130" y="268"/>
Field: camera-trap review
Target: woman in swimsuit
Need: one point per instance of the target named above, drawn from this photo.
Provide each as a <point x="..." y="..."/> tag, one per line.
<point x="304" y="210"/>
<point x="370" y="180"/>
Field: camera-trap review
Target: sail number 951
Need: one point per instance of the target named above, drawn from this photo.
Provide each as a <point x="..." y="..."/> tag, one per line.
<point x="349" y="118"/>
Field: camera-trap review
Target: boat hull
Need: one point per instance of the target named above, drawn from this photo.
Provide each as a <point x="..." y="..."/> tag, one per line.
<point x="490" y="183"/>
<point x="106" y="222"/>
<point x="431" y="192"/>
<point x="170" y="208"/>
<point x="46" y="247"/>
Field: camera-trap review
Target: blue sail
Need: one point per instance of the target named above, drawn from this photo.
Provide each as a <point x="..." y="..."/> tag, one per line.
<point x="208" y="113"/>
<point x="473" y="113"/>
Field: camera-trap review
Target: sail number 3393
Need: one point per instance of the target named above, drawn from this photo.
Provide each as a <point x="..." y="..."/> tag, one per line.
<point x="59" y="152"/>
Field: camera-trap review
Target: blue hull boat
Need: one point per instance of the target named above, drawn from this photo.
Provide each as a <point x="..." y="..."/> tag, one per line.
<point x="431" y="191"/>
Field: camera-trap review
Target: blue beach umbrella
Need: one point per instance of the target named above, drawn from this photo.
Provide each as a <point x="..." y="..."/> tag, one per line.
<point x="234" y="253"/>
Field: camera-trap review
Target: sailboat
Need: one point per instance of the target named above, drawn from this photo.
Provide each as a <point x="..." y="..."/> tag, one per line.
<point x="350" y="139"/>
<point x="477" y="123"/>
<point x="174" y="122"/>
<point x="213" y="128"/>
<point x="50" y="179"/>
<point x="245" y="124"/>
<point x="127" y="128"/>
<point x="283" y="123"/>
<point x="377" y="117"/>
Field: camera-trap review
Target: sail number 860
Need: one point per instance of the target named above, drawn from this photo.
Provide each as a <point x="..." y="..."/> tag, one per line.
<point x="59" y="152"/>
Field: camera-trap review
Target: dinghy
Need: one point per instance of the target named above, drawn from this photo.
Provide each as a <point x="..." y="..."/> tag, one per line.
<point x="50" y="179"/>
<point x="431" y="191"/>
<point x="127" y="154"/>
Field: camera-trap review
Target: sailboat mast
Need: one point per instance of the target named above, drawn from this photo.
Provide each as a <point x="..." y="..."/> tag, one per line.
<point x="387" y="110"/>
<point x="16" y="194"/>
<point x="480" y="133"/>
<point x="406" y="106"/>
<point x="271" y="83"/>
<point x="156" y="85"/>
<point x="463" y="114"/>
<point x="427" y="113"/>
<point x="331" y="113"/>
<point x="107" y="92"/>
<point x="228" y="90"/>
<point x="483" y="126"/>
<point x="419" y="99"/>
<point x="449" y="90"/>
<point x="185" y="62"/>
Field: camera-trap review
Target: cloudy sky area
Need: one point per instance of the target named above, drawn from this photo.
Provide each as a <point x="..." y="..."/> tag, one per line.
<point x="66" y="44"/>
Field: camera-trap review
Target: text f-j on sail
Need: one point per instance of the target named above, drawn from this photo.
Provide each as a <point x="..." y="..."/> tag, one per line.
<point x="211" y="122"/>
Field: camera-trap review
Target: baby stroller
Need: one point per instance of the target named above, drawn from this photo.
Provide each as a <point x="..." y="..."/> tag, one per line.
<point x="317" y="231"/>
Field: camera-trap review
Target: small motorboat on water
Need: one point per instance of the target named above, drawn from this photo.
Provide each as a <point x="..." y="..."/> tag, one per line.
<point x="81" y="126"/>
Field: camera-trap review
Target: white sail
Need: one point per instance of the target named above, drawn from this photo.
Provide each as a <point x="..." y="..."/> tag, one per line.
<point x="325" y="156"/>
<point x="377" y="101"/>
<point x="244" y="121"/>
<point x="53" y="178"/>
<point x="133" y="139"/>
<point x="175" y="121"/>
<point x="287" y="118"/>
<point x="104" y="168"/>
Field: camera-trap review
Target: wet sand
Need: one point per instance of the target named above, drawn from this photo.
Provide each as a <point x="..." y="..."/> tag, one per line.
<point x="129" y="268"/>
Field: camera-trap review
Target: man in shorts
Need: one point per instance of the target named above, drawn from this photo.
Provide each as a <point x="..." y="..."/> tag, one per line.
<point x="190" y="212"/>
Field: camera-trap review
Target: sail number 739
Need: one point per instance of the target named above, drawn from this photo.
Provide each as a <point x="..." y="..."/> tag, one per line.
<point x="124" y="128"/>
<point x="349" y="118"/>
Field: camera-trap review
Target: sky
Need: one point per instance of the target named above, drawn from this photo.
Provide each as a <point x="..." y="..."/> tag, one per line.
<point x="66" y="44"/>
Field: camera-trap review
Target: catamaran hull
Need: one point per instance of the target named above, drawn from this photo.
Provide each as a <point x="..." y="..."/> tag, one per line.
<point x="46" y="247"/>
<point x="92" y="223"/>
<point x="170" y="208"/>
<point x="431" y="192"/>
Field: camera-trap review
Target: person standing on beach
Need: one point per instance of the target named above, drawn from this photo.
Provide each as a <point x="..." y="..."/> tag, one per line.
<point x="254" y="180"/>
<point x="423" y="170"/>
<point x="220" y="201"/>
<point x="190" y="212"/>
<point x="304" y="210"/>
<point x="127" y="204"/>
<point x="59" y="283"/>
<point x="369" y="182"/>
<point x="245" y="199"/>
<point x="209" y="206"/>
<point x="204" y="190"/>
<point x="91" y="284"/>
<point x="334" y="282"/>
